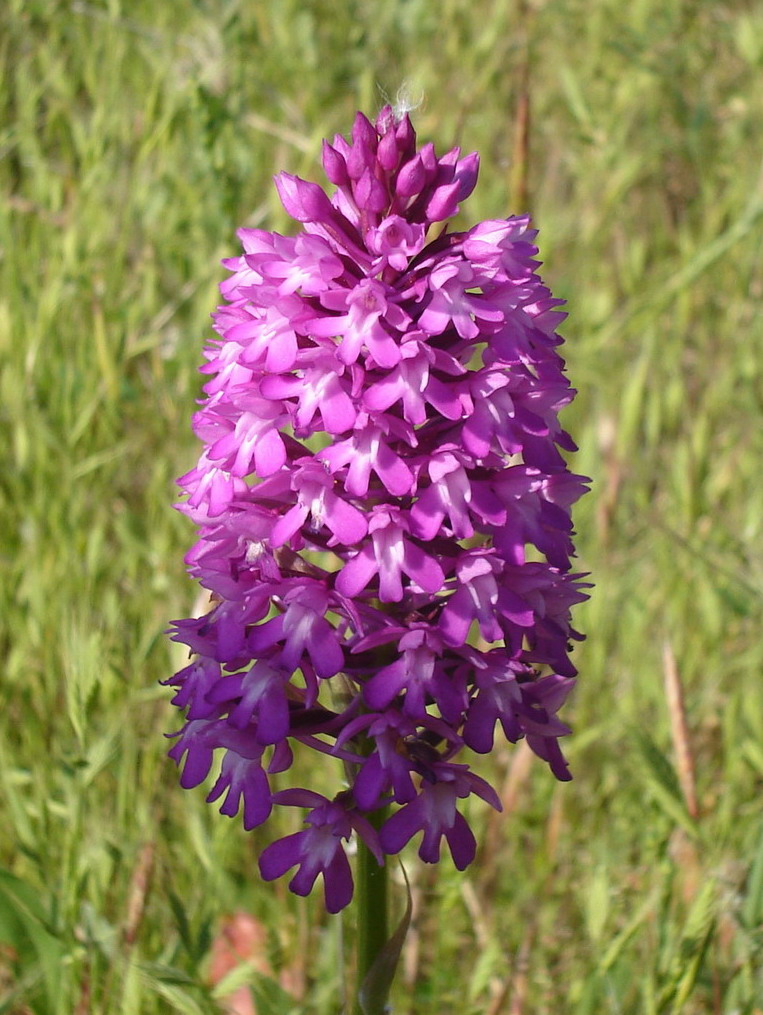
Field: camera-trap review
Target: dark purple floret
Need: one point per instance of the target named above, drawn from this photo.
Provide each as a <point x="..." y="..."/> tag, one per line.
<point x="383" y="511"/>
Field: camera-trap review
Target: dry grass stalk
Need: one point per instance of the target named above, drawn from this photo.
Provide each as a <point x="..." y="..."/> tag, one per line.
<point x="139" y="885"/>
<point x="520" y="150"/>
<point x="679" y="730"/>
<point x="477" y="913"/>
<point x="520" y="979"/>
<point x="421" y="937"/>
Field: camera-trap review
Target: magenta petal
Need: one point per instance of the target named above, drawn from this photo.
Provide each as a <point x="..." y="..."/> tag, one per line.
<point x="197" y="765"/>
<point x="479" y="728"/>
<point x="263" y="636"/>
<point x="393" y="471"/>
<point x="304" y="201"/>
<point x="298" y="798"/>
<point x="424" y="570"/>
<point x="337" y="882"/>
<point x="288" y="524"/>
<point x="385" y="685"/>
<point x="390" y="582"/>
<point x="411" y="178"/>
<point x="384" y="349"/>
<point x="515" y="609"/>
<point x="325" y="652"/>
<point x="282" y="352"/>
<point x="225" y="689"/>
<point x="444" y="397"/>
<point x="276" y="388"/>
<point x="387" y="153"/>
<point x="370" y="783"/>
<point x="303" y="881"/>
<point x="463" y="845"/>
<point x="548" y="749"/>
<point x="357" y="573"/>
<point x="485" y="791"/>
<point x="385" y="392"/>
<point x="467" y="171"/>
<point x="279" y="856"/>
<point x="337" y="409"/>
<point x="435" y="318"/>
<point x="358" y="475"/>
<point x="456" y="618"/>
<point x="398" y="830"/>
<point x="370" y="194"/>
<point x="327" y="327"/>
<point x="346" y="523"/>
<point x="273" y="724"/>
<point x="444" y="202"/>
<point x="257" y="804"/>
<point x="269" y="454"/>
<point x="427" y="514"/>
<point x="429" y="850"/>
<point x="334" y="165"/>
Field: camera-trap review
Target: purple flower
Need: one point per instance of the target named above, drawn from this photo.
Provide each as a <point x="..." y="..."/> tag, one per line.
<point x="434" y="813"/>
<point x="243" y="779"/>
<point x="392" y="557"/>
<point x="383" y="510"/>
<point x="318" y="849"/>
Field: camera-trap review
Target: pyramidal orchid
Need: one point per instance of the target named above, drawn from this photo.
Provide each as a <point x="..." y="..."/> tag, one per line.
<point x="383" y="513"/>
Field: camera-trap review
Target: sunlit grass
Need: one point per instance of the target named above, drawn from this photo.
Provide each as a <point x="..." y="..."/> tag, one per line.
<point x="134" y="139"/>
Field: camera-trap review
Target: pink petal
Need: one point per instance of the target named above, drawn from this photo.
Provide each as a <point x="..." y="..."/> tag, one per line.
<point x="390" y="583"/>
<point x="383" y="348"/>
<point x="385" y="685"/>
<point x="424" y="570"/>
<point x="276" y="388"/>
<point x="457" y="617"/>
<point x="337" y="409"/>
<point x="393" y="471"/>
<point x="385" y="392"/>
<point x="346" y="522"/>
<point x="269" y="454"/>
<point x="288" y="524"/>
<point x="282" y="352"/>
<point x="325" y="653"/>
<point x="304" y="201"/>
<point x="427" y="514"/>
<point x="357" y="573"/>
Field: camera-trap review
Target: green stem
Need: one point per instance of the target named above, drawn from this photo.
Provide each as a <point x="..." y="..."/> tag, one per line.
<point x="372" y="918"/>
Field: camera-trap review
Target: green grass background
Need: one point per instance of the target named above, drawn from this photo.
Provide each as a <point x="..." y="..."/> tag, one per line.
<point x="134" y="138"/>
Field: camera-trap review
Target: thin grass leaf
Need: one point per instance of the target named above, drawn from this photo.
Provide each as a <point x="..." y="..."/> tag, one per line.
<point x="661" y="781"/>
<point x="270" y="998"/>
<point x="24" y="926"/>
<point x="181" y="921"/>
<point x="690" y="951"/>
<point x="752" y="906"/>
<point x="618" y="944"/>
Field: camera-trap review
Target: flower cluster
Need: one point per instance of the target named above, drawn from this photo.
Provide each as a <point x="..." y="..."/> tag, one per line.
<point x="383" y="511"/>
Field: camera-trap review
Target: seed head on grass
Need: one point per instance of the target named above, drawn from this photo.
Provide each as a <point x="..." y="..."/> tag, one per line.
<point x="381" y="501"/>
